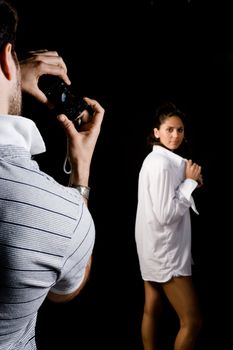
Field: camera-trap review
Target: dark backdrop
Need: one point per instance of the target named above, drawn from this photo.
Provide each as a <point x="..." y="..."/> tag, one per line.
<point x="130" y="56"/>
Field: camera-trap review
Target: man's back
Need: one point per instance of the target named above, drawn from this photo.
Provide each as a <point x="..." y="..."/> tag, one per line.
<point x="46" y="234"/>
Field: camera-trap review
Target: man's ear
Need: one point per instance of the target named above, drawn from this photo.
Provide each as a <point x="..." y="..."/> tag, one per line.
<point x="6" y="61"/>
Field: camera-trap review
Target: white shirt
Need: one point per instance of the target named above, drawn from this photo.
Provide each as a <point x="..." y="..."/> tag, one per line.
<point x="163" y="228"/>
<point x="21" y="131"/>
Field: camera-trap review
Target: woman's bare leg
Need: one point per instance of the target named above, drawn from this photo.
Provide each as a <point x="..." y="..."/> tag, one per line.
<point x="181" y="294"/>
<point x="152" y="311"/>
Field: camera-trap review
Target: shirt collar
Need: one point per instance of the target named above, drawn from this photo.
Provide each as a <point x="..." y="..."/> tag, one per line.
<point x="178" y="160"/>
<point x="22" y="132"/>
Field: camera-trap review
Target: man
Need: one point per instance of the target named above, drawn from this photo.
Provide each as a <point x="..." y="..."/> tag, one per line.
<point x="47" y="233"/>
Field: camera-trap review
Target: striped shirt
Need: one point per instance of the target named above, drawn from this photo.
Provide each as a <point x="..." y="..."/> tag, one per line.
<point x="46" y="236"/>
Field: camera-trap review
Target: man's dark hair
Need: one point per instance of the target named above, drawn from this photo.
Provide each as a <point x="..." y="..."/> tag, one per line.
<point x="8" y="24"/>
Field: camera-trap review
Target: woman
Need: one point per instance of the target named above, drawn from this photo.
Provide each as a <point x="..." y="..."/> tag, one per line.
<point x="163" y="230"/>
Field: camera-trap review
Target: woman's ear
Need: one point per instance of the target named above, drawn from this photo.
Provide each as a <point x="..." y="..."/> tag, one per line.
<point x="6" y="61"/>
<point x="156" y="133"/>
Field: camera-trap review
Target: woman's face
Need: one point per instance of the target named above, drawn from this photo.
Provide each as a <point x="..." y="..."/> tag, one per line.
<point x="170" y="133"/>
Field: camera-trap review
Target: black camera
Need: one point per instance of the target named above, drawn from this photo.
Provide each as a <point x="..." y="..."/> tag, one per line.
<point x="64" y="100"/>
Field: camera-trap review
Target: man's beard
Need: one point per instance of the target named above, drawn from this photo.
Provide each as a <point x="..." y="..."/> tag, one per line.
<point x="15" y="100"/>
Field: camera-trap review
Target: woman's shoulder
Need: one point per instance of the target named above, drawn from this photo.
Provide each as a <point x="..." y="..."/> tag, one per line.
<point x="157" y="159"/>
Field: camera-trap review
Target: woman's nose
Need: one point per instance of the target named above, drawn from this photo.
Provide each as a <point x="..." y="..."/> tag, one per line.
<point x="175" y="133"/>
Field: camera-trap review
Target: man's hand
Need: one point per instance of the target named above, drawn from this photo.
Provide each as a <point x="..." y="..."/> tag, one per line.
<point x="38" y="63"/>
<point x="81" y="142"/>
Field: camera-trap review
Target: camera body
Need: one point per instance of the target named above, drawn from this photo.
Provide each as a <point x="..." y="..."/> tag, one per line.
<point x="63" y="99"/>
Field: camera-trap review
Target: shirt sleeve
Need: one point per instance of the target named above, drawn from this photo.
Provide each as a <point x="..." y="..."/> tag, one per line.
<point x="77" y="256"/>
<point x="170" y="200"/>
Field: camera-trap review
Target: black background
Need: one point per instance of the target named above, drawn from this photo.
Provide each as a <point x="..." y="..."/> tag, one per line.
<point x="130" y="56"/>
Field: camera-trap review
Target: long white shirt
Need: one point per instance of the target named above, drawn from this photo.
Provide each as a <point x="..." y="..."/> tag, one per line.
<point x="163" y="227"/>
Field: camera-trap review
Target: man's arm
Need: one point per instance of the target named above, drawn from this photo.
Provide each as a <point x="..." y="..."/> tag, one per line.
<point x="61" y="298"/>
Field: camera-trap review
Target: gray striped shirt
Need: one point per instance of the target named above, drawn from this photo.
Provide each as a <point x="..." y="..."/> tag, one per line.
<point x="46" y="238"/>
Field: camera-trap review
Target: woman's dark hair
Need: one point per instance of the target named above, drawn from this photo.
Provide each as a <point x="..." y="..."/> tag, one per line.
<point x="163" y="112"/>
<point x="8" y="24"/>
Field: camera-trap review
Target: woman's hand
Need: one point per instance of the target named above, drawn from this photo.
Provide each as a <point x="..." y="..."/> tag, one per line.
<point x="193" y="171"/>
